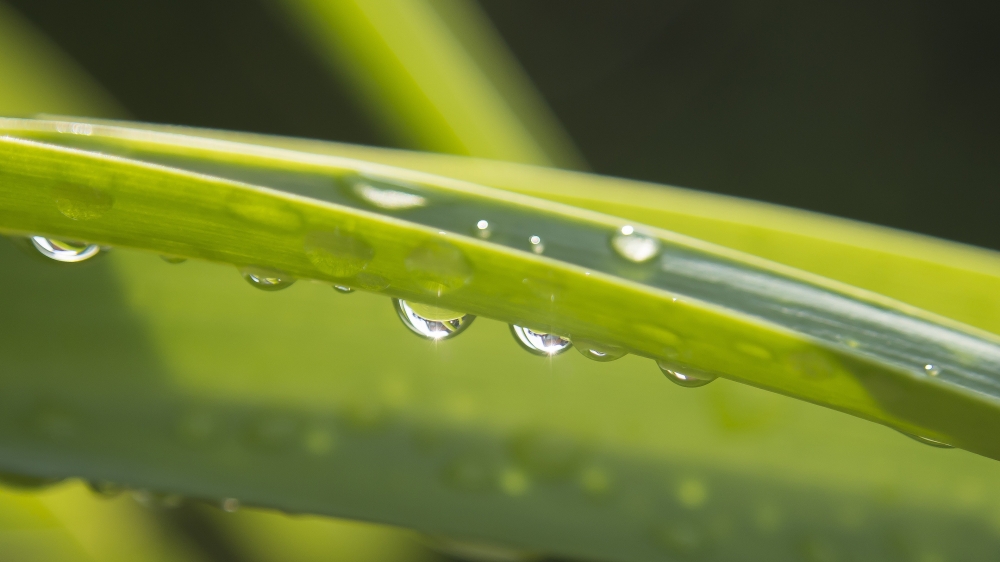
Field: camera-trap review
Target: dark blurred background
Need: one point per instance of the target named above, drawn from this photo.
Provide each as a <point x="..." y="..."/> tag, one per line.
<point x="879" y="111"/>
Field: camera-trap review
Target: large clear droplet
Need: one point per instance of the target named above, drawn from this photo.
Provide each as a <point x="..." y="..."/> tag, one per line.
<point x="540" y="343"/>
<point x="685" y="376"/>
<point x="598" y="351"/>
<point x="63" y="250"/>
<point x="267" y="279"/>
<point x="633" y="246"/>
<point x="431" y="322"/>
<point x="928" y="441"/>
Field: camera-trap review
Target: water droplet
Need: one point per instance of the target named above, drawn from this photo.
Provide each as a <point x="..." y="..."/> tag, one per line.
<point x="599" y="351"/>
<point x="927" y="441"/>
<point x="390" y="199"/>
<point x="173" y="259"/>
<point x="692" y="493"/>
<point x="932" y="370"/>
<point x="514" y="482"/>
<point x="432" y="322"/>
<point x="540" y="343"/>
<point x="258" y="209"/>
<point x="685" y="376"/>
<point x="483" y="229"/>
<point x="230" y="505"/>
<point x="267" y="279"/>
<point x="338" y="253"/>
<point x="439" y="267"/>
<point x="633" y="246"/>
<point x="536" y="244"/>
<point x="343" y="289"/>
<point x="63" y="250"/>
<point x="81" y="203"/>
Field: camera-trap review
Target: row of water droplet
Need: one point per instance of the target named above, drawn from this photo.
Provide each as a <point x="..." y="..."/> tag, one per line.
<point x="437" y="324"/>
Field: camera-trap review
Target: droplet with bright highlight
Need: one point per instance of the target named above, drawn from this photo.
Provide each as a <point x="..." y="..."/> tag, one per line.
<point x="483" y="229"/>
<point x="63" y="250"/>
<point x="932" y="370"/>
<point x="633" y="246"/>
<point x="536" y="244"/>
<point x="267" y="279"/>
<point x="601" y="352"/>
<point x="343" y="289"/>
<point x="540" y="343"/>
<point x="431" y="322"/>
<point x="685" y="376"/>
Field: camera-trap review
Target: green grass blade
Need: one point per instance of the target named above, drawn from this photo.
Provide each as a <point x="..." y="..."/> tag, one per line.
<point x="438" y="77"/>
<point x="696" y="306"/>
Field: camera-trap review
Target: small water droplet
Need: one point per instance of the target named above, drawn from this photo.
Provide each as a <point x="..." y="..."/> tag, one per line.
<point x="685" y="376"/>
<point x="267" y="279"/>
<point x="63" y="250"/>
<point x="927" y="441"/>
<point x="343" y="289"/>
<point x="932" y="370"/>
<point x="338" y="253"/>
<point x="514" y="482"/>
<point x="81" y="203"/>
<point x="598" y="351"/>
<point x="431" y="322"/>
<point x="633" y="246"/>
<point x="439" y="267"/>
<point x="540" y="343"/>
<point x="382" y="196"/>
<point x="536" y="244"/>
<point x="173" y="259"/>
<point x="483" y="229"/>
<point x="230" y="505"/>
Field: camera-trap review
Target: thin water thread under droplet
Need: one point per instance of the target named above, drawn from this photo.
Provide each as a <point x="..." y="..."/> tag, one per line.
<point x="64" y="251"/>
<point x="438" y="324"/>
<point x="685" y="376"/>
<point x="539" y="343"/>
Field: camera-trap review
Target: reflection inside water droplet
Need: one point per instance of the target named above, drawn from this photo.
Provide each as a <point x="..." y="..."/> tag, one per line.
<point x="343" y="289"/>
<point x="431" y="322"/>
<point x="633" y="246"/>
<point x="539" y="343"/>
<point x="599" y="351"/>
<point x="267" y="279"/>
<point x="536" y="244"/>
<point x="927" y="441"/>
<point x="932" y="370"/>
<point x="685" y="376"/>
<point x="63" y="250"/>
<point x="385" y="198"/>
